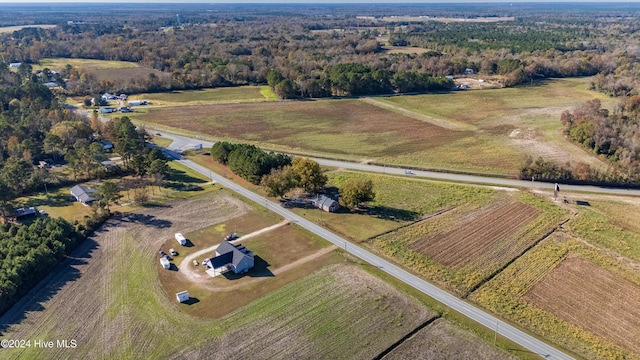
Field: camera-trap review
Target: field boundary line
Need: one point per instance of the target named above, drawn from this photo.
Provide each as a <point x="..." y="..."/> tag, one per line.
<point x="447" y="124"/>
<point x="393" y="346"/>
<point x="500" y="269"/>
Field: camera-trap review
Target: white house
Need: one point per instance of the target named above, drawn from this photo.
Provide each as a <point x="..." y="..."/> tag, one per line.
<point x="15" y="64"/>
<point x="230" y="257"/>
<point x="182" y="296"/>
<point x="165" y="263"/>
<point x="181" y="239"/>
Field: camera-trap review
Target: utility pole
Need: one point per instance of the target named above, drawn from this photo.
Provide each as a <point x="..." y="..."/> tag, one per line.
<point x="495" y="336"/>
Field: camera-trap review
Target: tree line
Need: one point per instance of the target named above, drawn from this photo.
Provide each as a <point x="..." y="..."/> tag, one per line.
<point x="305" y="52"/>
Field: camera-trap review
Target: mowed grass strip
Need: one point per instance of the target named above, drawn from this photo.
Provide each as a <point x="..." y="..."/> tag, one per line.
<point x="204" y="96"/>
<point x="346" y="127"/>
<point x="605" y="304"/>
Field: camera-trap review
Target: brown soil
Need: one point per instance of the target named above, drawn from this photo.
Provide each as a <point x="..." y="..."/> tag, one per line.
<point x="592" y="298"/>
<point x="442" y="340"/>
<point x="475" y="233"/>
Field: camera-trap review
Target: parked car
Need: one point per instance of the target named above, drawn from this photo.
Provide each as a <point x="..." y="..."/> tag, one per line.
<point x="409" y="172"/>
<point x="195" y="262"/>
<point x="173" y="252"/>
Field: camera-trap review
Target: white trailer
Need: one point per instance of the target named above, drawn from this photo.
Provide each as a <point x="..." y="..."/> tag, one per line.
<point x="181" y="239"/>
<point x="165" y="263"/>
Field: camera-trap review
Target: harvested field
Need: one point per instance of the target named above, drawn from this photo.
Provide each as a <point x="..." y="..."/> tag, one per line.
<point x="339" y="312"/>
<point x="204" y="96"/>
<point x="476" y="233"/>
<point x="346" y="127"/>
<point x="592" y="298"/>
<point x="442" y="340"/>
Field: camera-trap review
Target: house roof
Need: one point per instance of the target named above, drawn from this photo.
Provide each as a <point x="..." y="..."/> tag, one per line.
<point x="83" y="194"/>
<point x="323" y="201"/>
<point x="221" y="260"/>
<point x="232" y="253"/>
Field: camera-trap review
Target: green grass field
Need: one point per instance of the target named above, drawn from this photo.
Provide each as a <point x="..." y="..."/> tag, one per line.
<point x="399" y="201"/>
<point x="205" y="96"/>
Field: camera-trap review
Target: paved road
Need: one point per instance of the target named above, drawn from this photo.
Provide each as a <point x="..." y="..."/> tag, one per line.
<point x="181" y="143"/>
<point x="491" y="322"/>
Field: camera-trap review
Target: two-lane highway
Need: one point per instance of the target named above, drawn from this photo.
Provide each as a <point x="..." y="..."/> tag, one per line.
<point x="182" y="142"/>
<point x="491" y="322"/>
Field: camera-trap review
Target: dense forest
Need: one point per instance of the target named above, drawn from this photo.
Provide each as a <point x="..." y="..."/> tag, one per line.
<point x="306" y="45"/>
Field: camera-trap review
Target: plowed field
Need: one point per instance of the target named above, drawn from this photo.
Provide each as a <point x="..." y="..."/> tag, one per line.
<point x="592" y="298"/>
<point x="476" y="233"/>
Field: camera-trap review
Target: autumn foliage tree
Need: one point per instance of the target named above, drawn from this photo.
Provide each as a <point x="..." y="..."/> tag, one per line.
<point x="355" y="192"/>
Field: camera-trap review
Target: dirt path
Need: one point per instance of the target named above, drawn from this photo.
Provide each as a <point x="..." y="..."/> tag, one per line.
<point x="185" y="265"/>
<point x="412" y="114"/>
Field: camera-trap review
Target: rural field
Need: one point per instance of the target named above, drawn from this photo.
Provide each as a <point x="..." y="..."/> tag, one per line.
<point x="207" y="96"/>
<point x="485" y="131"/>
<point x="462" y="248"/>
<point x="107" y="70"/>
<point x="8" y="29"/>
<point x="442" y="340"/>
<point x="110" y="288"/>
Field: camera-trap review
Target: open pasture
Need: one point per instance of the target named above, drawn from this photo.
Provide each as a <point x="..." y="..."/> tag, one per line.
<point x="476" y="232"/>
<point x="204" y="96"/>
<point x="592" y="298"/>
<point x="346" y="127"/>
<point x="488" y="131"/>
<point x="88" y="64"/>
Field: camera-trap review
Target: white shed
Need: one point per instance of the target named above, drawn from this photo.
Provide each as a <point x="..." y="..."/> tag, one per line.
<point x="182" y="296"/>
<point x="181" y="239"/>
<point x="165" y="263"/>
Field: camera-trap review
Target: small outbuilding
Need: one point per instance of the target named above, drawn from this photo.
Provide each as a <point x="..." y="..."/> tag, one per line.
<point x="83" y="194"/>
<point x="181" y="239"/>
<point x="182" y="296"/>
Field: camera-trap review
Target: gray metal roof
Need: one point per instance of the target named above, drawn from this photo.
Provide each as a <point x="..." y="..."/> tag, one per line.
<point x="234" y="252"/>
<point x="83" y="194"/>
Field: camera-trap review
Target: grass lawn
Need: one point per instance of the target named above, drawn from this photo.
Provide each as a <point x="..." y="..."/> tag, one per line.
<point x="399" y="201"/>
<point x="205" y="96"/>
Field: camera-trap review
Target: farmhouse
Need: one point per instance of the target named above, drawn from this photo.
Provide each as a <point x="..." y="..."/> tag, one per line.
<point x="325" y="203"/>
<point x="230" y="257"/>
<point x="83" y="194"/>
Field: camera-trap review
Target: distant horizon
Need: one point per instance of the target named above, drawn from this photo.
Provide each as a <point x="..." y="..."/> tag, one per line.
<point x="316" y="2"/>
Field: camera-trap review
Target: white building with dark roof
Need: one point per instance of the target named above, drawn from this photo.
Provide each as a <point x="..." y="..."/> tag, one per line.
<point x="230" y="257"/>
